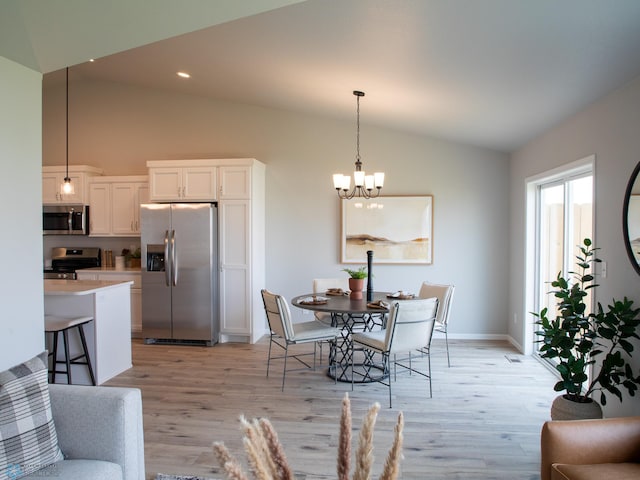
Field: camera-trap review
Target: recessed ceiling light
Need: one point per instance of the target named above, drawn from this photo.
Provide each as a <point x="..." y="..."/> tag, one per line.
<point x="91" y="60"/>
<point x="183" y="75"/>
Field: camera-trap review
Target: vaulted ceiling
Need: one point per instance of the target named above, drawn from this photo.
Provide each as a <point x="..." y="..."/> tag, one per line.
<point x="493" y="73"/>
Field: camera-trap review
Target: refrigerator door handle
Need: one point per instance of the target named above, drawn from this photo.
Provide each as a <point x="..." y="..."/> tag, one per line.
<point x="167" y="265"/>
<point x="174" y="259"/>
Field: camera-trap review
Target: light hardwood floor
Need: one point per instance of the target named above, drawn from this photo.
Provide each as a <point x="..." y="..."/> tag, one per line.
<point x="483" y="421"/>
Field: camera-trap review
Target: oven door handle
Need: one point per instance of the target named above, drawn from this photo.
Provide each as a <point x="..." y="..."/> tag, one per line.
<point x="70" y="221"/>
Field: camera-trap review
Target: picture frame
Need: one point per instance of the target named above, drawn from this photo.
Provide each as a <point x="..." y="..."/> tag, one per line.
<point x="398" y="229"/>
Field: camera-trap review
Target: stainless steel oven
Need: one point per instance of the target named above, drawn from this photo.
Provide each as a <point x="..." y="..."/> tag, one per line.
<point x="65" y="220"/>
<point x="65" y="261"/>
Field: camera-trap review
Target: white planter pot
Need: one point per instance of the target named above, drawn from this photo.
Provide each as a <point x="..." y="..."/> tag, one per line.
<point x="564" y="409"/>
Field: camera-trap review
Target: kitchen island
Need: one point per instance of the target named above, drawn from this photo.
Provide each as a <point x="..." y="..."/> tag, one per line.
<point x="108" y="335"/>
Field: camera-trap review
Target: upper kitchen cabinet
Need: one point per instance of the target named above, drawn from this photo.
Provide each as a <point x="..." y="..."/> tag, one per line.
<point x="183" y="181"/>
<point x="235" y="182"/>
<point x="114" y="204"/>
<point x="52" y="178"/>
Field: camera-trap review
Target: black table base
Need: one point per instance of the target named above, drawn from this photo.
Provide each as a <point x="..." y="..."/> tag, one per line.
<point x="340" y="356"/>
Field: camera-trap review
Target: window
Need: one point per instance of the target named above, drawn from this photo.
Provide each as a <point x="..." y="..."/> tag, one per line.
<point x="565" y="211"/>
<point x="559" y="216"/>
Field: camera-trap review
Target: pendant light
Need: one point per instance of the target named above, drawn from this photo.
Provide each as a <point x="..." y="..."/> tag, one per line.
<point x="365" y="186"/>
<point x="67" y="187"/>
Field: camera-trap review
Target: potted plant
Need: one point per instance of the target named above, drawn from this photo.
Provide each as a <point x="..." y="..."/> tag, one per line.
<point x="577" y="340"/>
<point x="132" y="258"/>
<point x="356" y="282"/>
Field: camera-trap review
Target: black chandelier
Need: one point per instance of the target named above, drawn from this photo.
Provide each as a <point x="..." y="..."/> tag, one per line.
<point x="365" y="186"/>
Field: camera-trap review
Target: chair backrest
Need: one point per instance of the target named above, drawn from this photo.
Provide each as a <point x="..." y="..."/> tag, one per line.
<point x="410" y="324"/>
<point x="321" y="285"/>
<point x="278" y="314"/>
<point x="444" y="294"/>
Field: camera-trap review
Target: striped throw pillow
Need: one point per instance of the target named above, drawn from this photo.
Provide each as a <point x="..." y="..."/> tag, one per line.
<point x="28" y="440"/>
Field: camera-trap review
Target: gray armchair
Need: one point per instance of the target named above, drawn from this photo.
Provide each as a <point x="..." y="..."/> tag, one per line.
<point x="99" y="431"/>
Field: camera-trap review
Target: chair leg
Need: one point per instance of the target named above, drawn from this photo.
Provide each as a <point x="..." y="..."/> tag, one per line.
<point x="446" y="340"/>
<point x="55" y="357"/>
<point x="332" y="360"/>
<point x="352" y="367"/>
<point x="67" y="354"/>
<point x="86" y="353"/>
<point x="429" y="370"/>
<point x="269" y="357"/>
<point x="315" y="349"/>
<point x="284" y="371"/>
<point x="387" y="368"/>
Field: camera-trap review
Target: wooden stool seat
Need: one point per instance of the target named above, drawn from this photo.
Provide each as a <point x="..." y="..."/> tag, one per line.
<point x="56" y="325"/>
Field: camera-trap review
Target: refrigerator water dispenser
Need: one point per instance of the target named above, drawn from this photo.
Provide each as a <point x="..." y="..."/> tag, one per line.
<point x="155" y="258"/>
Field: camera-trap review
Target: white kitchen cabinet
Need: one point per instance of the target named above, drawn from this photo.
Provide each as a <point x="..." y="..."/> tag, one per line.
<point x="115" y="205"/>
<point x="195" y="183"/>
<point x="53" y="176"/>
<point x="241" y="223"/>
<point x="126" y="199"/>
<point x="99" y="209"/>
<point x="110" y="274"/>
<point x="242" y="253"/>
<point x="235" y="182"/>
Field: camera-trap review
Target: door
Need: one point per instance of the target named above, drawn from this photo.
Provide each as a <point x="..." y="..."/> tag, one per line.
<point x="194" y="247"/>
<point x="565" y="219"/>
<point x="156" y="290"/>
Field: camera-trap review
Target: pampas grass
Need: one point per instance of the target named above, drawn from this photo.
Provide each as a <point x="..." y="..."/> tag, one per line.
<point x="268" y="462"/>
<point x="344" y="445"/>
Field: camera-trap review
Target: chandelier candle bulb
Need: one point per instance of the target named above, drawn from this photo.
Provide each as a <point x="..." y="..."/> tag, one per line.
<point x="369" y="182"/>
<point x="378" y="179"/>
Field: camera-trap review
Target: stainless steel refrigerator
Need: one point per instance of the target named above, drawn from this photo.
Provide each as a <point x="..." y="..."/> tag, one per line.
<point x="179" y="243"/>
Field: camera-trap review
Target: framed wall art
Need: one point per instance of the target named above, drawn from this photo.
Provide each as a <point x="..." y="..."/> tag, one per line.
<point x="397" y="230"/>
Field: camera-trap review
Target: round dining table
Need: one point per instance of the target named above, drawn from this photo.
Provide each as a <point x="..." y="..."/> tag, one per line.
<point x="350" y="316"/>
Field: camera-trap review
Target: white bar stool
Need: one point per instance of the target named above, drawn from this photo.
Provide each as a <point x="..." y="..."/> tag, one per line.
<point x="56" y="325"/>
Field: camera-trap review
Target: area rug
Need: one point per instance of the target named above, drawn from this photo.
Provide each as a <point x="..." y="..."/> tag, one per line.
<point x="163" y="476"/>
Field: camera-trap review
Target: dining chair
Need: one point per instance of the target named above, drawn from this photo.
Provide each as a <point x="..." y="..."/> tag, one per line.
<point x="410" y="324"/>
<point x="284" y="333"/>
<point x="444" y="294"/>
<point x="321" y="286"/>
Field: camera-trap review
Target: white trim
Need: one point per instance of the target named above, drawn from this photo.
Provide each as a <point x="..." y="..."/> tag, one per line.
<point x="577" y="167"/>
<point x="478" y="336"/>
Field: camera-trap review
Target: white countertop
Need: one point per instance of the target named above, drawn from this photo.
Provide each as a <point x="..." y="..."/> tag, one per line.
<point x="111" y="270"/>
<point x="81" y="287"/>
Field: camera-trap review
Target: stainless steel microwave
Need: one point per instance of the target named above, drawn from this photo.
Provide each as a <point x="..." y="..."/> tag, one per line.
<point x="65" y="220"/>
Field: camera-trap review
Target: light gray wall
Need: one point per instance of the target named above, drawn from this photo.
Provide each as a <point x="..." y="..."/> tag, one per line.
<point x="118" y="128"/>
<point x="609" y="129"/>
<point x="21" y="293"/>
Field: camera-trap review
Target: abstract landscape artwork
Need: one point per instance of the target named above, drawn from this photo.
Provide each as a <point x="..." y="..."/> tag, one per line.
<point x="397" y="229"/>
